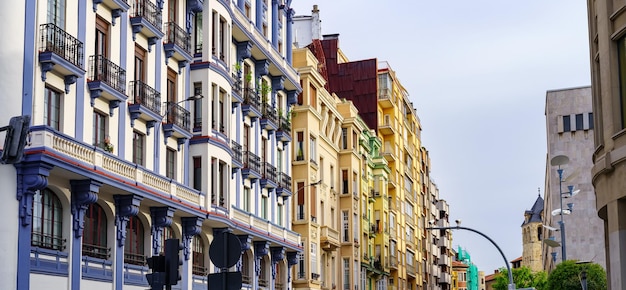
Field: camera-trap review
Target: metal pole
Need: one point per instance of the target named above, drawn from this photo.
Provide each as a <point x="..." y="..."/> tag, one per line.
<point x="511" y="285"/>
<point x="562" y="223"/>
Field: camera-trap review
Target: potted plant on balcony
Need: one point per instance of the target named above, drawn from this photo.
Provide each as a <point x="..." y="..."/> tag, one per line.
<point x="107" y="146"/>
<point x="248" y="78"/>
<point x="237" y="68"/>
<point x="265" y="91"/>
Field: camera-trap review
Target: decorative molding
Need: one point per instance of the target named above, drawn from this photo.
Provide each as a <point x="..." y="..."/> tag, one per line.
<point x="191" y="226"/>
<point x="278" y="254"/>
<point x="31" y="177"/>
<point x="292" y="97"/>
<point x="84" y="193"/>
<point x="161" y="217"/>
<point x="261" y="248"/>
<point x="125" y="207"/>
<point x="244" y="50"/>
<point x="262" y="67"/>
<point x="246" y="242"/>
<point x="292" y="259"/>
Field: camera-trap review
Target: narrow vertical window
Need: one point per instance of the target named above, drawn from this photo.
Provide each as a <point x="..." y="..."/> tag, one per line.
<point x="344" y="138"/>
<point x="346" y="274"/>
<point x="197" y="173"/>
<point x="279" y="214"/>
<point x="139" y="148"/>
<point x="95" y="233"/>
<point x="300" y="207"/>
<point x="99" y="129"/>
<point x="197" y="33"/>
<point x="56" y="13"/>
<point x="345" y="226"/>
<point x="299" y="146"/>
<point x="134" y="243"/>
<point x="197" y="258"/>
<point x="140" y="63"/>
<point x="246" y="199"/>
<point x="172" y="112"/>
<point x="47" y="221"/>
<point x="313" y="147"/>
<point x="170" y="163"/>
<point x="567" y="126"/>
<point x="590" y="120"/>
<point x="312" y="95"/>
<point x="197" y="107"/>
<point x="344" y="181"/>
<point x="264" y="207"/>
<point x="52" y="108"/>
<point x="579" y="122"/>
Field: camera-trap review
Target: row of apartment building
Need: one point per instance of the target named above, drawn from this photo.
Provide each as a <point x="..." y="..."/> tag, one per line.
<point x="185" y="119"/>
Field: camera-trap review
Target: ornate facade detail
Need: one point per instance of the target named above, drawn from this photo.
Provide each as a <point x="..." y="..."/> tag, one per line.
<point x="261" y="248"/>
<point x="161" y="217"/>
<point x="278" y="254"/>
<point x="30" y="178"/>
<point x="84" y="193"/>
<point x="244" y="50"/>
<point x="292" y="259"/>
<point x="191" y="226"/>
<point x="262" y="67"/>
<point x="125" y="207"/>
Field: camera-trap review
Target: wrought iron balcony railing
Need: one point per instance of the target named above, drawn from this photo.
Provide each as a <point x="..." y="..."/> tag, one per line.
<point x="269" y="113"/>
<point x="178" y="36"/>
<point x="104" y="70"/>
<point x="268" y="171"/>
<point x="147" y="10"/>
<point x="95" y="251"/>
<point x="200" y="270"/>
<point x="237" y="84"/>
<point x="236" y="147"/>
<point x="56" y="40"/>
<point x="285" y="181"/>
<point x="251" y="161"/>
<point x="251" y="98"/>
<point x="178" y="116"/>
<point x="145" y="95"/>
<point x="285" y="125"/>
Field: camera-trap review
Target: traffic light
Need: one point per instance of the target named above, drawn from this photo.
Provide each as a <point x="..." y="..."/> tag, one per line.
<point x="15" y="139"/>
<point x="156" y="279"/>
<point x="173" y="261"/>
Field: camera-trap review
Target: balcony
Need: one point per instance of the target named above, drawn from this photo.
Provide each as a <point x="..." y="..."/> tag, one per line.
<point x="177" y="123"/>
<point x="269" y="119"/>
<point x="145" y="18"/>
<point x="237" y="88"/>
<point x="385" y="98"/>
<point x="284" y="185"/>
<point x="177" y="44"/>
<point x="106" y="80"/>
<point x="236" y="155"/>
<point x="145" y="104"/>
<point x="250" y="106"/>
<point x="329" y="238"/>
<point x="284" y="130"/>
<point x="444" y="259"/>
<point x="387" y="127"/>
<point x="444" y="278"/>
<point x="60" y="53"/>
<point x="410" y="270"/>
<point x="251" y="165"/>
<point x="115" y="5"/>
<point x="268" y="175"/>
<point x="393" y="262"/>
<point x="390" y="153"/>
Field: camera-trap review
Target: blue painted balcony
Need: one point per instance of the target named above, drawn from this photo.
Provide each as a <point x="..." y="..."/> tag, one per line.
<point x="146" y="18"/>
<point x="61" y="53"/>
<point x="116" y="6"/>
<point x="251" y="166"/>
<point x="237" y="90"/>
<point x="106" y="80"/>
<point x="268" y="175"/>
<point x="177" y="44"/>
<point x="145" y="104"/>
<point x="177" y="123"/>
<point x="284" y="130"/>
<point x="250" y="105"/>
<point x="269" y="119"/>
<point x="284" y="185"/>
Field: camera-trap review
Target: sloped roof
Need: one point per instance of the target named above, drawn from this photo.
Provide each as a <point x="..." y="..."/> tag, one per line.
<point x="535" y="212"/>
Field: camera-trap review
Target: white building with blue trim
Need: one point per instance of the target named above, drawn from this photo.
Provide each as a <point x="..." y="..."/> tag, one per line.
<point x="151" y="119"/>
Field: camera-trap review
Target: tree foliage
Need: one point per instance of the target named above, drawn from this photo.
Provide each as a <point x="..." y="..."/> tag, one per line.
<point x="568" y="275"/>
<point x="523" y="277"/>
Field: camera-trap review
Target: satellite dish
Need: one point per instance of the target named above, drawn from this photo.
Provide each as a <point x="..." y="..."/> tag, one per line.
<point x="551" y="243"/>
<point x="559" y="160"/>
<point x="550" y="228"/>
<point x="558" y="212"/>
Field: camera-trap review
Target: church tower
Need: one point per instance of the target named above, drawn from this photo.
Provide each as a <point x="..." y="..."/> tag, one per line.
<point x="532" y="230"/>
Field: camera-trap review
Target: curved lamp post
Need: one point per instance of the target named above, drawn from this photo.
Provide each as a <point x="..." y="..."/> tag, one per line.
<point x="511" y="285"/>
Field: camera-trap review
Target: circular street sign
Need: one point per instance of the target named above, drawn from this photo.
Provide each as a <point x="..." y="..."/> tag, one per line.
<point x="225" y="250"/>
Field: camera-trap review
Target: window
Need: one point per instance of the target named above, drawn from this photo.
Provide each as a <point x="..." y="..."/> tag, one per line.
<point x="344" y="138"/>
<point x="171" y="11"/>
<point x="312" y="95"/>
<point x="246" y="199"/>
<point x="47" y="221"/>
<point x="346" y="226"/>
<point x="170" y="163"/>
<point x="579" y="121"/>
<point x="95" y="233"/>
<point x="52" y="108"/>
<point x="300" y="207"/>
<point x="313" y="258"/>
<point x="197" y="173"/>
<point x="223" y="34"/>
<point x="197" y="106"/>
<point x="313" y="148"/>
<point x="299" y="146"/>
<point x="344" y="181"/>
<point x="171" y="96"/>
<point x="56" y="13"/>
<point x="197" y="257"/>
<point x="102" y="38"/>
<point x="264" y="207"/>
<point x="167" y="234"/>
<point x="355" y="227"/>
<point x="133" y="246"/>
<point x="279" y="214"/>
<point x="222" y="98"/>
<point x="301" y="273"/>
<point x="140" y="63"/>
<point x="138" y="148"/>
<point x="99" y="129"/>
<point x="197" y="33"/>
<point x="590" y="121"/>
<point x="567" y="126"/>
<point x="346" y="274"/>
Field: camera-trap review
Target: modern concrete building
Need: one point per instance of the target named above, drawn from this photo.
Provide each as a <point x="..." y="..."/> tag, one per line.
<point x="124" y="153"/>
<point x="532" y="236"/>
<point x="570" y="130"/>
<point x="607" y="45"/>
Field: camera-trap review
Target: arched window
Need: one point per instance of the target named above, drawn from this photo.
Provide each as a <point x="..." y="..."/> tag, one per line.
<point x="264" y="276"/>
<point x="168" y="233"/>
<point x="133" y="247"/>
<point x="197" y="248"/>
<point x="279" y="283"/>
<point x="246" y="276"/>
<point x="95" y="233"/>
<point x="540" y="233"/>
<point x="47" y="221"/>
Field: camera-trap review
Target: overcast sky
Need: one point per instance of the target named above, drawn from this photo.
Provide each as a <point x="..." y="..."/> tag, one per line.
<point x="477" y="72"/>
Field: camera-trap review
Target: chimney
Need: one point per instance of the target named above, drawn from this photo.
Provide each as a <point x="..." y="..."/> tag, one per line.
<point x="316" y="23"/>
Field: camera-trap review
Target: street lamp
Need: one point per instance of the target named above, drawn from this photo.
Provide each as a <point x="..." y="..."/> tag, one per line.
<point x="511" y="285"/>
<point x="558" y="161"/>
